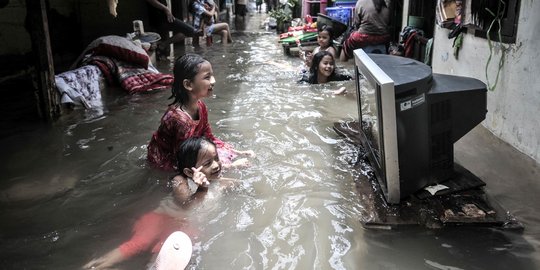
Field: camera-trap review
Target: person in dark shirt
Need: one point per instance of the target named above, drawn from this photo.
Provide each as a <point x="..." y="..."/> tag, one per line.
<point x="371" y="20"/>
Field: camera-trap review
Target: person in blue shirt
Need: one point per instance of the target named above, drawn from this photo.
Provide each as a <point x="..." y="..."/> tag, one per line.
<point x="202" y="10"/>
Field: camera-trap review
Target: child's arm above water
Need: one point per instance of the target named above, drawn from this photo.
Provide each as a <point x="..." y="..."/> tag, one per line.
<point x="145" y="233"/>
<point x="309" y="56"/>
<point x="340" y="91"/>
<point x="241" y="162"/>
<point x="184" y="188"/>
<point x="247" y="153"/>
<point x="106" y="261"/>
<point x="226" y="183"/>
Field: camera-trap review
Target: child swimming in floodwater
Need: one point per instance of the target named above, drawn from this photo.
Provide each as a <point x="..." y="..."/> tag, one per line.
<point x="323" y="70"/>
<point x="187" y="116"/>
<point x="325" y="40"/>
<point x="199" y="167"/>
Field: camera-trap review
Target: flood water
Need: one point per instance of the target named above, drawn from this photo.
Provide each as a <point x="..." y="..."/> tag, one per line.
<point x="82" y="183"/>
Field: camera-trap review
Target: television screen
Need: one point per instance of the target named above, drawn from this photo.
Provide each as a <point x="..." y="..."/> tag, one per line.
<point x="375" y="93"/>
<point x="370" y="116"/>
<point x="411" y="118"/>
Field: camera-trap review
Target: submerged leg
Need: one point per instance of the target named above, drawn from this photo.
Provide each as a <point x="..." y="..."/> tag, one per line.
<point x="175" y="252"/>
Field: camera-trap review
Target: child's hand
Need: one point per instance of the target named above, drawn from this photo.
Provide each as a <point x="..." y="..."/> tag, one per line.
<point x="241" y="163"/>
<point x="107" y="261"/>
<point x="200" y="178"/>
<point x="227" y="183"/>
<point x="247" y="153"/>
<point x="340" y="91"/>
<point x="309" y="59"/>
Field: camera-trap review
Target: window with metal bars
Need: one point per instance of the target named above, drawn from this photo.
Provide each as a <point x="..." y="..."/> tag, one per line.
<point x="496" y="19"/>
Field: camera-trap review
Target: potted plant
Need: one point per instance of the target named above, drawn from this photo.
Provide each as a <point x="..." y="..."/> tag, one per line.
<point x="282" y="17"/>
<point x="283" y="14"/>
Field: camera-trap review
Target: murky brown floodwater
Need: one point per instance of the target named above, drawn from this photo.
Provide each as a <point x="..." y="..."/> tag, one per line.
<point x="296" y="209"/>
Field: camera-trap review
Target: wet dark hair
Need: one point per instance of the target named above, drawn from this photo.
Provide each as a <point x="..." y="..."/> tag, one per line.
<point x="330" y="31"/>
<point x="379" y="4"/>
<point x="187" y="154"/>
<point x="314" y="69"/>
<point x="185" y="67"/>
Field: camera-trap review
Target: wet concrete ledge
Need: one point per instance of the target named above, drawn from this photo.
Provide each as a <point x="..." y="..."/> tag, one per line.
<point x="472" y="206"/>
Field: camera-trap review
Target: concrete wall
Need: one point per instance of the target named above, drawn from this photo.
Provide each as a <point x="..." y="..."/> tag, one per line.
<point x="96" y="20"/>
<point x="514" y="105"/>
<point x="15" y="39"/>
<point x="91" y="17"/>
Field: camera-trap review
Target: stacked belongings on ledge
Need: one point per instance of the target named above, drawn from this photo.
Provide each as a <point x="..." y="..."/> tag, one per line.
<point x="305" y="34"/>
<point x="115" y="60"/>
<point x="299" y="32"/>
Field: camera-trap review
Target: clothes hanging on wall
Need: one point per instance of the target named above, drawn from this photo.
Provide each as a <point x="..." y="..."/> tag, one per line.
<point x="408" y="39"/>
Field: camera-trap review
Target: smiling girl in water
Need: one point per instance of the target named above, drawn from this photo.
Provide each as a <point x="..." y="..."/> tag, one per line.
<point x="187" y="116"/>
<point x="323" y="70"/>
<point x="325" y="40"/>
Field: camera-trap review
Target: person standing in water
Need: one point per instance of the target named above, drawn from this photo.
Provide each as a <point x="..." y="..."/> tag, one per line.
<point x="166" y="231"/>
<point x="187" y="116"/>
<point x="258" y="4"/>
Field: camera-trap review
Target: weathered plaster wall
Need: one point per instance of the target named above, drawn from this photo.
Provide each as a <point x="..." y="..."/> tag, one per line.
<point x="92" y="16"/>
<point x="514" y="105"/>
<point x="15" y="39"/>
<point x="96" y="20"/>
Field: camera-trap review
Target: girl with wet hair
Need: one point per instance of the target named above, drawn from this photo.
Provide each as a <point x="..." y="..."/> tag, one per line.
<point x="325" y="39"/>
<point x="323" y="69"/>
<point x="198" y="165"/>
<point x="190" y="152"/>
<point x="187" y="116"/>
<point x="167" y="229"/>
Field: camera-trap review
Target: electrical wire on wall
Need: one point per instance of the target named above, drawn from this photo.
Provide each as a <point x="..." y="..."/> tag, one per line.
<point x="497" y="19"/>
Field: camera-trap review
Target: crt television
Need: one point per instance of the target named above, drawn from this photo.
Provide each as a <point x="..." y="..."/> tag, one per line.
<point x="410" y="119"/>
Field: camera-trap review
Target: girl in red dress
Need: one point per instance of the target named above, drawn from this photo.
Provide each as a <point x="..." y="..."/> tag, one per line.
<point x="187" y="116"/>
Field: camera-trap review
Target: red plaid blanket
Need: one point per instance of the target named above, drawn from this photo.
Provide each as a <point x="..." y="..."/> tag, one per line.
<point x="132" y="78"/>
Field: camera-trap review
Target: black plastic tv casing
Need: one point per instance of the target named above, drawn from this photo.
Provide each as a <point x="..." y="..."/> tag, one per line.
<point x="420" y="116"/>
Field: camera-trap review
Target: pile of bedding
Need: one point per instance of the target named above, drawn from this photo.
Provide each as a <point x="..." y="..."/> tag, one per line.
<point x="117" y="59"/>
